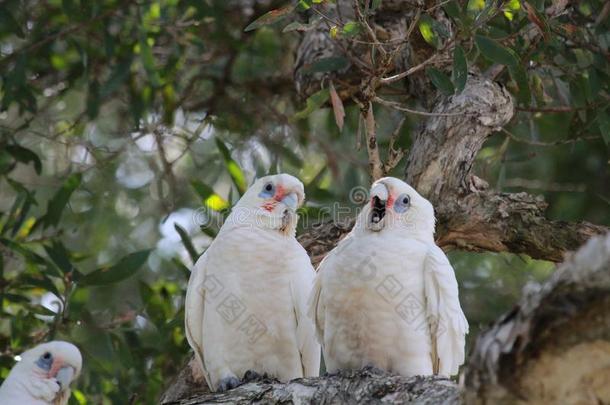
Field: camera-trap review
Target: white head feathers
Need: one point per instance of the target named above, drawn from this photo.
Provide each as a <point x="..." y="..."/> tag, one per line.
<point x="43" y="375"/>
<point x="271" y="202"/>
<point x="395" y="205"/>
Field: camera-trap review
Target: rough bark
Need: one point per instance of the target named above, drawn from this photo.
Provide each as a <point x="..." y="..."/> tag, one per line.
<point x="367" y="386"/>
<point x="555" y="345"/>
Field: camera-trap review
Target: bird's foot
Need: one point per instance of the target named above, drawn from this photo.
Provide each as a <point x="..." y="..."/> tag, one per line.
<point x="228" y="383"/>
<point x="251" y="375"/>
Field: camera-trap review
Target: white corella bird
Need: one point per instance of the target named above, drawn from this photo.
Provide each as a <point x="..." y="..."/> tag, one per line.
<point x="387" y="296"/>
<point x="246" y="302"/>
<point x="43" y="375"/>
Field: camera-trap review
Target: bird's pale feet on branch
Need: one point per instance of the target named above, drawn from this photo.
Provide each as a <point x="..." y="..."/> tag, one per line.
<point x="228" y="383"/>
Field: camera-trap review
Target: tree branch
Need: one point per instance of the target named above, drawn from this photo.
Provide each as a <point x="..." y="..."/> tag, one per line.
<point x="346" y="387"/>
<point x="554" y="347"/>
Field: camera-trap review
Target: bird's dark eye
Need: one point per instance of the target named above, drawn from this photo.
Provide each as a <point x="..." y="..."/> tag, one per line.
<point x="402" y="203"/>
<point x="267" y="191"/>
<point x="45" y="361"/>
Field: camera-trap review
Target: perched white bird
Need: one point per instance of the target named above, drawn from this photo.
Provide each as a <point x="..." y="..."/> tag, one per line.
<point x="246" y="302"/>
<point x="43" y="375"/>
<point x="387" y="296"/>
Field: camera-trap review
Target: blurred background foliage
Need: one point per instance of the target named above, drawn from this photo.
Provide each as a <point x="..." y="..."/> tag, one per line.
<point x="127" y="128"/>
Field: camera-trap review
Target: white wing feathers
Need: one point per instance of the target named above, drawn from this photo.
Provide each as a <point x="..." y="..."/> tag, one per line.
<point x="448" y="325"/>
<point x="314" y="311"/>
<point x="306" y="340"/>
<point x="194" y="308"/>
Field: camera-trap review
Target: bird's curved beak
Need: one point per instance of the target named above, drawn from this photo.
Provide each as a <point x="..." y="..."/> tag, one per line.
<point x="379" y="199"/>
<point x="64" y="376"/>
<point x="291" y="201"/>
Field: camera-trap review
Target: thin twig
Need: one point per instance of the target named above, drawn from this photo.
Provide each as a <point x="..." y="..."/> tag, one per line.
<point x="414" y="69"/>
<point x="553" y="143"/>
<point x="376" y="167"/>
<point x="394" y="155"/>
<point x="400" y="107"/>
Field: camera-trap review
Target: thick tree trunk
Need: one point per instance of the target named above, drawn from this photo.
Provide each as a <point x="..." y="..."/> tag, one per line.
<point x="554" y="346"/>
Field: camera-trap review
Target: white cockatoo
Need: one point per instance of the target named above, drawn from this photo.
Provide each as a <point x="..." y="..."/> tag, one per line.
<point x="43" y="375"/>
<point x="387" y="296"/>
<point x="246" y="301"/>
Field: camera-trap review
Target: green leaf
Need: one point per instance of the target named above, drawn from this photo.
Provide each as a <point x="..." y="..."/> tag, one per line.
<point x="520" y="77"/>
<point x="9" y="24"/>
<point x="125" y="268"/>
<point x="60" y="256"/>
<point x="351" y="28"/>
<point x="41" y="281"/>
<point x="57" y="204"/>
<point x="270" y="17"/>
<point x="237" y="175"/>
<point x="329" y="64"/>
<point x="297" y="26"/>
<point x="453" y="10"/>
<point x="186" y="241"/>
<point x="460" y="69"/>
<point x="25" y="155"/>
<point x="314" y="102"/>
<point x="148" y="61"/>
<point x="441" y="81"/>
<point x="603" y="120"/>
<point x="426" y="29"/>
<point x="209" y="197"/>
<point x="495" y="52"/>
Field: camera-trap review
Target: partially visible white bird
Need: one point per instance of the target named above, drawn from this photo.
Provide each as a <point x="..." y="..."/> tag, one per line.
<point x="387" y="296"/>
<point x="43" y="375"/>
<point x="246" y="302"/>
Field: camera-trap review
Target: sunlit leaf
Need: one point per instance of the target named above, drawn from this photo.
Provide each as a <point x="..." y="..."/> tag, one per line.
<point x="350" y="29"/>
<point x="270" y="17"/>
<point x="125" y="268"/>
<point x="209" y="198"/>
<point x="511" y="8"/>
<point x="426" y="30"/>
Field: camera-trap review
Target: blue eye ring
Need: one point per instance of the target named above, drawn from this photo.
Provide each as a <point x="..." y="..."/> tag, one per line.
<point x="267" y="191"/>
<point x="402" y="203"/>
<point x="45" y="361"/>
